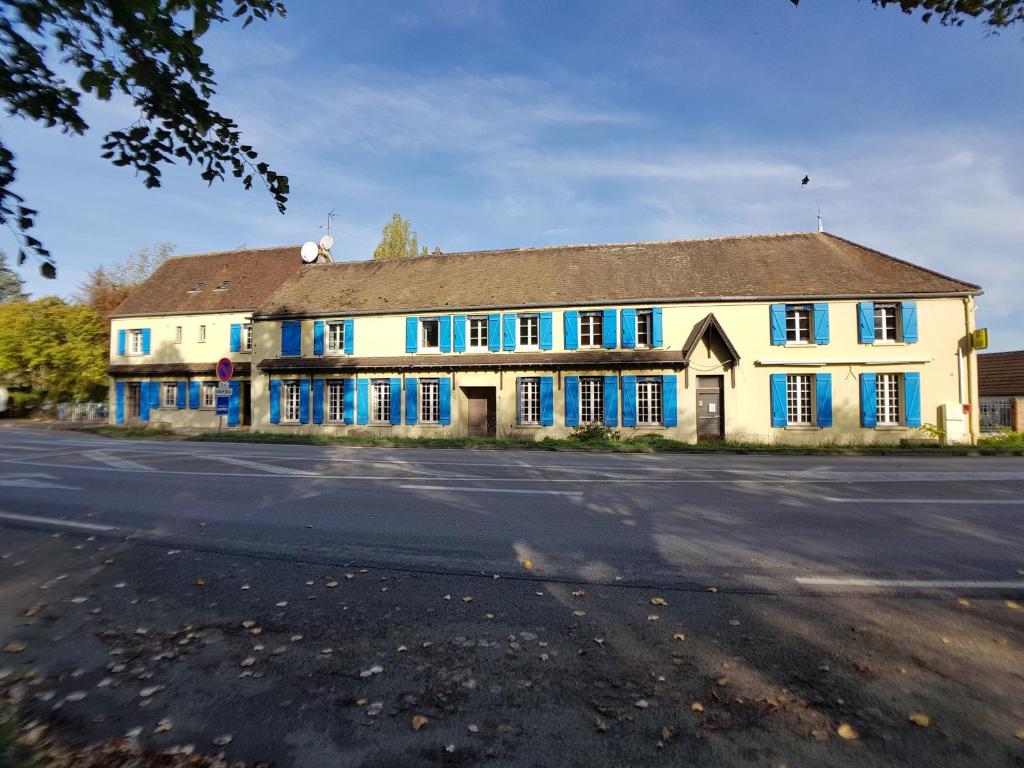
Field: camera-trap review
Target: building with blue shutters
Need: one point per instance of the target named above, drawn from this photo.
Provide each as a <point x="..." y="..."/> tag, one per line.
<point x="801" y="338"/>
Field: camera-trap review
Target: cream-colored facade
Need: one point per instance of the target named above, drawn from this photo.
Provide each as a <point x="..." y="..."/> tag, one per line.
<point x="738" y="369"/>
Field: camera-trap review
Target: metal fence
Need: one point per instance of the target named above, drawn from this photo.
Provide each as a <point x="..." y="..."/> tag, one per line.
<point x="995" y="414"/>
<point x="82" y="411"/>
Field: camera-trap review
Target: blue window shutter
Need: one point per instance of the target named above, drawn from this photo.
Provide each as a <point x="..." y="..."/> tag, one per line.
<point x="234" y="404"/>
<point x="823" y="395"/>
<point x="821" y="323"/>
<point x="182" y="395"/>
<point x="629" y="401"/>
<point x="236" y="337"/>
<point x="572" y="401"/>
<point x="147" y="340"/>
<point x="868" y="400"/>
<point x="866" y="322"/>
<point x="547" y="401"/>
<point x="119" y="402"/>
<point x="445" y="328"/>
<point x="122" y="341"/>
<point x="304" y="401"/>
<point x="193" y="395"/>
<point x="350" y="336"/>
<point x="657" y="336"/>
<point x="571" y="323"/>
<point x="780" y="418"/>
<point x="494" y="332"/>
<point x="912" y="398"/>
<point x="629" y="329"/>
<point x="508" y="332"/>
<point x="459" y="328"/>
<point x="444" y="400"/>
<point x="669" y="403"/>
<point x="611" y="401"/>
<point x="348" y="401"/>
<point x="291" y="338"/>
<point x="318" y="337"/>
<point x="777" y="322"/>
<point x="318" y="401"/>
<point x="395" y="401"/>
<point x="275" y="401"/>
<point x="154" y="394"/>
<point x="412" y="328"/>
<point x="411" y="402"/>
<point x="144" y="400"/>
<point x="609" y="328"/>
<point x="363" y="401"/>
<point x="909" y="314"/>
<point x="545" y="330"/>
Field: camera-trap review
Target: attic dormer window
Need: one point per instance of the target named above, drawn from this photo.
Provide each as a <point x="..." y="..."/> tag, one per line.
<point x="223" y="286"/>
<point x="197" y="287"/>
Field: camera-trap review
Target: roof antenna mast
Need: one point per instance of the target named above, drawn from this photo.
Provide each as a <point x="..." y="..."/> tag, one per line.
<point x="821" y="222"/>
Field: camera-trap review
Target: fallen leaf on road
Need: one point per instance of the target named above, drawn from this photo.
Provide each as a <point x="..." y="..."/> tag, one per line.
<point x="846" y="731"/>
<point x="668" y="733"/>
<point x="141" y="631"/>
<point x="1020" y="735"/>
<point x="723" y="681"/>
<point x="31" y="611"/>
<point x="245" y="586"/>
<point x="947" y="640"/>
<point x="15" y="647"/>
<point x="679" y="637"/>
<point x="79" y="600"/>
<point x="332" y="584"/>
<point x="712" y="589"/>
<point x="1012" y="604"/>
<point x="600" y="725"/>
<point x="222" y="741"/>
<point x="696" y="707"/>
<point x="247" y="662"/>
<point x="248" y="623"/>
<point x="296" y="638"/>
<point x="281" y="604"/>
<point x="641" y="704"/>
<point x="528" y="565"/>
<point x="473" y="728"/>
<point x="579" y="593"/>
<point x="579" y="613"/>
<point x="75" y="696"/>
<point x="133" y="733"/>
<point x="918" y="718"/>
<point x="418" y="721"/>
<point x="401" y="649"/>
<point x="658" y="601"/>
<point x="467" y="599"/>
<point x="200" y="582"/>
<point x="599" y="640"/>
<point x="364" y="570"/>
<point x="145" y="693"/>
<point x="964" y="601"/>
<point x="163" y="726"/>
<point x="653" y="617"/>
<point x="488" y="616"/>
<point x="310" y="583"/>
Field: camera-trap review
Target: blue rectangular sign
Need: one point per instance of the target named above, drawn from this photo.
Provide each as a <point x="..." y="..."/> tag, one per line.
<point x="222" y="404"/>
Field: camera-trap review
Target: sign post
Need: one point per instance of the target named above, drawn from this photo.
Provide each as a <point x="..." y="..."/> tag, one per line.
<point x="222" y="395"/>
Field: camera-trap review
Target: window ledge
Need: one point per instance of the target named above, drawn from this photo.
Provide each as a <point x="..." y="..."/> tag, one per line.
<point x="803" y="428"/>
<point x="892" y="428"/>
<point x="800" y="345"/>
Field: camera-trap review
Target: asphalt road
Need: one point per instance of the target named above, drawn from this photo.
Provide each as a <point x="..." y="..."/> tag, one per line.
<point x="760" y="523"/>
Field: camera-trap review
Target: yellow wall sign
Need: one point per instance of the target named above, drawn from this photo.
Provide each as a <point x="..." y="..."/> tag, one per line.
<point x="979" y="338"/>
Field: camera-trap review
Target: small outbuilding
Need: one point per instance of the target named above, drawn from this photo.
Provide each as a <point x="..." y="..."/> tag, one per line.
<point x="1001" y="390"/>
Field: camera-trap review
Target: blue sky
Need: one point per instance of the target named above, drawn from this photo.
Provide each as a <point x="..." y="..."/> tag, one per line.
<point x="493" y="124"/>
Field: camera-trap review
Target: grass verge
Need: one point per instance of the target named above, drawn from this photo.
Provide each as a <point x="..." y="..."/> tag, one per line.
<point x="1009" y="446"/>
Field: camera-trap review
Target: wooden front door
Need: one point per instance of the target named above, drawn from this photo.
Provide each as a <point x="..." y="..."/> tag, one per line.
<point x="482" y="411"/>
<point x="710" y="423"/>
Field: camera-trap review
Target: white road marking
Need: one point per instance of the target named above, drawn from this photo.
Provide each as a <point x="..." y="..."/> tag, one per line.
<point x="115" y="461"/>
<point x="261" y="466"/>
<point x="826" y="581"/>
<point x="469" y="489"/>
<point x="54" y="521"/>
<point x="35" y="482"/>
<point x="835" y="500"/>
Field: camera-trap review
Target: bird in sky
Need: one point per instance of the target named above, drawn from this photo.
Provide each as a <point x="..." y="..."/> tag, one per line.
<point x="806" y="181"/>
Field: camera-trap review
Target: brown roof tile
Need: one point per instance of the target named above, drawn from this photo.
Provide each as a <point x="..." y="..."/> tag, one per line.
<point x="171" y="369"/>
<point x="252" y="276"/>
<point x="795" y="265"/>
<point x="1001" y="373"/>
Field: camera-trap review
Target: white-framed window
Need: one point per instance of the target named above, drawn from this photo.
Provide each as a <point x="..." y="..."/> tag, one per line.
<point x="380" y="401"/>
<point x="648" y="401"/>
<point x="430" y="401"/>
<point x="798" y="324"/>
<point x="430" y="334"/>
<point x="529" y="401"/>
<point x="478" y="338"/>
<point x="247" y="337"/>
<point x="887" y="322"/>
<point x="177" y="334"/>
<point x="591" y="329"/>
<point x="887" y="409"/>
<point x="336" y="338"/>
<point x="335" y="400"/>
<point x="135" y="342"/>
<point x="644" y="323"/>
<point x="291" y="401"/>
<point x="209" y="394"/>
<point x="800" y="399"/>
<point x="591" y="400"/>
<point x="529" y="332"/>
<point x="202" y="333"/>
<point x="170" y="398"/>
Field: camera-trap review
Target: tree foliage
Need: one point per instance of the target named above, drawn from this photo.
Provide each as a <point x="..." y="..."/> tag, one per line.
<point x="398" y="241"/>
<point x="54" y="348"/>
<point x="107" y="286"/>
<point x="11" y="284"/>
<point x="147" y="50"/>
<point x="995" y="14"/>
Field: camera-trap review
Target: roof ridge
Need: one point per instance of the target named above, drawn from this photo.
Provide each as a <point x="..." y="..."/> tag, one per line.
<point x="232" y="250"/>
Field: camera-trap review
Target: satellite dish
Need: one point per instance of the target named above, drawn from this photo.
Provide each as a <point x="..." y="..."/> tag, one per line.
<point x="309" y="252"/>
<point x="327" y="242"/>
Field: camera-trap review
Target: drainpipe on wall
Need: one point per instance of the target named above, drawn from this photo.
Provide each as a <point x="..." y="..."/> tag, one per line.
<point x="972" y="372"/>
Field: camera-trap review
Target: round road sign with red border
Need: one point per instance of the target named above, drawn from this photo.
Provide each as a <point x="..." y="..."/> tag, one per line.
<point x="225" y="369"/>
